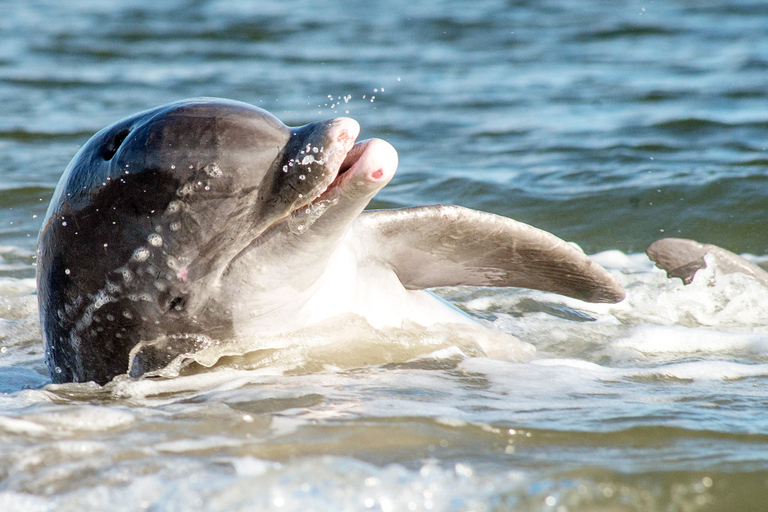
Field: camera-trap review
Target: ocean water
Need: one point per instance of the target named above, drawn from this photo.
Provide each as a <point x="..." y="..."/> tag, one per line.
<point x="609" y="124"/>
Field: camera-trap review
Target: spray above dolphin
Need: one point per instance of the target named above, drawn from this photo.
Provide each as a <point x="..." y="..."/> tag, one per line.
<point x="210" y="219"/>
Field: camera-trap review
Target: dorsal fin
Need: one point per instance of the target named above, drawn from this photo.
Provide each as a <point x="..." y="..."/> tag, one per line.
<point x="449" y="246"/>
<point x="681" y="257"/>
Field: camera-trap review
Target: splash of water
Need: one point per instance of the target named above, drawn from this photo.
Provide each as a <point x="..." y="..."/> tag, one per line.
<point x="301" y="220"/>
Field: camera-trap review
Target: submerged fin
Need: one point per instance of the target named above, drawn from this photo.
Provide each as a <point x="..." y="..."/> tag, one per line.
<point x="682" y="258"/>
<point x="449" y="246"/>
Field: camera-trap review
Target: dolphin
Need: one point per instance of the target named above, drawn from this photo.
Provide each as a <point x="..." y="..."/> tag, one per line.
<point x="209" y="219"/>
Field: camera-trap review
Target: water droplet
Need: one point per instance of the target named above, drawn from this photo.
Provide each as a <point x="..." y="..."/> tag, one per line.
<point x="213" y="170"/>
<point x="64" y="223"/>
<point x="155" y="240"/>
<point x="302" y="177"/>
<point x="127" y="276"/>
<point x="58" y="369"/>
<point x="140" y="254"/>
<point x="67" y="271"/>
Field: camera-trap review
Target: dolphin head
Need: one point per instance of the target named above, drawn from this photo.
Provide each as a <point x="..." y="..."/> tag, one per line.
<point x="155" y="209"/>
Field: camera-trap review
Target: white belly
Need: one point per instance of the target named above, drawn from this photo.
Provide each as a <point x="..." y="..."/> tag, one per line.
<point x="354" y="282"/>
<point x="375" y="293"/>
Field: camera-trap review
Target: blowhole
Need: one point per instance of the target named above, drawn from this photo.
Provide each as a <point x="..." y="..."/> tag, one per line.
<point x="112" y="145"/>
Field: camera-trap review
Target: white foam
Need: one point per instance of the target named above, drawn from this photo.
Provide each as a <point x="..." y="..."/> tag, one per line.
<point x="656" y="339"/>
<point x="127" y="388"/>
<point x="20" y="426"/>
<point x="617" y="260"/>
<point x="342" y="483"/>
<point x="251" y="466"/>
<point x="87" y="418"/>
<point x="212" y="442"/>
<point x="15" y="501"/>
<point x="703" y="370"/>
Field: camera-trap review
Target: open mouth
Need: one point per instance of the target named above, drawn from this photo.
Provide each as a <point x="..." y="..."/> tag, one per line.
<point x="370" y="163"/>
<point x="343" y="174"/>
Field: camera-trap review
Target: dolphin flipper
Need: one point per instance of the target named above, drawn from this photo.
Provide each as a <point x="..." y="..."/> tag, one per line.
<point x="449" y="246"/>
<point x="682" y="258"/>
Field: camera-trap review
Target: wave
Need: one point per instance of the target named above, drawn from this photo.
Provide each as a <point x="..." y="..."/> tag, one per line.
<point x="687" y="125"/>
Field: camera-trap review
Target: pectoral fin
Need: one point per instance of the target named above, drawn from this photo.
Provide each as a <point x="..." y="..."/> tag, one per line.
<point x="450" y="246"/>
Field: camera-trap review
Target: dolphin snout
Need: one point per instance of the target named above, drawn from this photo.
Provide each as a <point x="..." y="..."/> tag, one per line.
<point x="378" y="159"/>
<point x="344" y="130"/>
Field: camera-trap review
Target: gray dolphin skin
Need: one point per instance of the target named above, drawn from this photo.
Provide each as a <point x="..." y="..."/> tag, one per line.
<point x="682" y="258"/>
<point x="209" y="219"/>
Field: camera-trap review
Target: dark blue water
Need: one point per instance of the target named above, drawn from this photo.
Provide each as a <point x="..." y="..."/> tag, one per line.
<point x="610" y="124"/>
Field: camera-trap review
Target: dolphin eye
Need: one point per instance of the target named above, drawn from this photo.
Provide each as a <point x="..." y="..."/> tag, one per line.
<point x="112" y="145"/>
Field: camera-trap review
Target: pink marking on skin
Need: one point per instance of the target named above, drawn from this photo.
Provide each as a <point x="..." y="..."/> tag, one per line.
<point x="182" y="274"/>
<point x="378" y="174"/>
